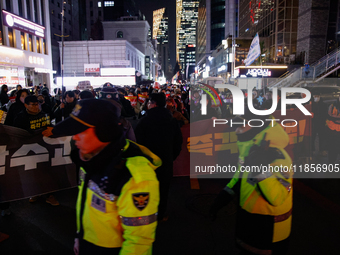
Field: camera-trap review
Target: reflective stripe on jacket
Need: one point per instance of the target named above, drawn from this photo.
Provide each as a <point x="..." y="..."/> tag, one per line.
<point x="129" y="220"/>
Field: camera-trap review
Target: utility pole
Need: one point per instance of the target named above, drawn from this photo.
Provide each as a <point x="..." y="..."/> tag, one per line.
<point x="62" y="50"/>
<point x="62" y="46"/>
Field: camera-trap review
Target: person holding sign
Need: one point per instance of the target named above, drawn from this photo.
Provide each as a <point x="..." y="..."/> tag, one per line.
<point x="118" y="190"/>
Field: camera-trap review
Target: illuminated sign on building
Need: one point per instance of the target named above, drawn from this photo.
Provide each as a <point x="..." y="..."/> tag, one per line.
<point x="258" y="72"/>
<point x="147" y="65"/>
<point x="23" y="25"/>
<point x="91" y="68"/>
<point x="116" y="62"/>
<point x="36" y="60"/>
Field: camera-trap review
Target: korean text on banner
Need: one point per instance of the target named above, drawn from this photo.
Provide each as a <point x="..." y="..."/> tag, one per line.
<point x="32" y="165"/>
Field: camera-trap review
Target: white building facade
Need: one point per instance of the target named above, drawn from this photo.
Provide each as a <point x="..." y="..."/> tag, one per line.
<point x="105" y="60"/>
<point x="136" y="33"/>
<point x="25" y="43"/>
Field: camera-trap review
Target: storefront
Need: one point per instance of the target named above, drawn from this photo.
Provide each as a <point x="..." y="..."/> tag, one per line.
<point x="24" y="68"/>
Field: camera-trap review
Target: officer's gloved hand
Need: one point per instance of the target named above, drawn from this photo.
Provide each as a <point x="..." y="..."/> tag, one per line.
<point x="48" y="131"/>
<point x="262" y="155"/>
<point x="221" y="200"/>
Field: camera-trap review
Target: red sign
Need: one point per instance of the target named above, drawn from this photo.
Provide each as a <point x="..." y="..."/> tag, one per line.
<point x="157" y="85"/>
<point x="132" y="99"/>
<point x="92" y="70"/>
<point x="142" y="98"/>
<point x="11" y="81"/>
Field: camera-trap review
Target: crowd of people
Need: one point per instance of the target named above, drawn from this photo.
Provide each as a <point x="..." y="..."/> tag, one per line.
<point x="124" y="143"/>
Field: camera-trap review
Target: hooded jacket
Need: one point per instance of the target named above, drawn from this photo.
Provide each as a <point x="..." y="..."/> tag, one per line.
<point x="265" y="198"/>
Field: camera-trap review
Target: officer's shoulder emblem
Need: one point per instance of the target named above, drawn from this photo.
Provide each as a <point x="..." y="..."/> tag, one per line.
<point x="141" y="200"/>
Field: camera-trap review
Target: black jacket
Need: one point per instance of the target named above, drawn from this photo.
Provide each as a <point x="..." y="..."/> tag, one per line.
<point x="59" y="113"/>
<point x="31" y="122"/>
<point x="3" y="98"/>
<point x="13" y="111"/>
<point x="160" y="133"/>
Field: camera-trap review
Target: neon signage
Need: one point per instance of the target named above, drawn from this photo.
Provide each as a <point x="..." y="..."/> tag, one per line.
<point x="259" y="72"/>
<point x="23" y="25"/>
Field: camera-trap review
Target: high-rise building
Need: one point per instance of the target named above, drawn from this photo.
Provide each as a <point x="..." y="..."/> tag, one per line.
<point x="187" y="34"/>
<point x="25" y="43"/>
<point x="71" y="27"/>
<point x="178" y="25"/>
<point x="161" y="34"/>
<point x="217" y="20"/>
<point x="276" y="22"/>
<point x="157" y="19"/>
<point x="318" y="29"/>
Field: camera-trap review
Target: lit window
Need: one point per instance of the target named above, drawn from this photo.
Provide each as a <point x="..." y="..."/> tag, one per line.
<point x="99" y="4"/>
<point x="109" y="3"/>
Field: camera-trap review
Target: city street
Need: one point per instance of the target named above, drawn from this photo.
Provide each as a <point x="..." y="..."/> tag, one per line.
<point x="39" y="228"/>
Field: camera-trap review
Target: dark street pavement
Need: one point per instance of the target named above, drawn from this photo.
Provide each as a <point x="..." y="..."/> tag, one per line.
<point x="39" y="228"/>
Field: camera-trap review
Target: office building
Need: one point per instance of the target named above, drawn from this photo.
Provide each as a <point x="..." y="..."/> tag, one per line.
<point x="25" y="43"/>
<point x="71" y="27"/>
<point x="186" y="32"/>
<point x="276" y="23"/>
<point x="318" y="29"/>
<point x="161" y="34"/>
<point x="129" y="30"/>
<point x="217" y="20"/>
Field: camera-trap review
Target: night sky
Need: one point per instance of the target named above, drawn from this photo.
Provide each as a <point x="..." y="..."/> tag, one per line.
<point x="148" y="6"/>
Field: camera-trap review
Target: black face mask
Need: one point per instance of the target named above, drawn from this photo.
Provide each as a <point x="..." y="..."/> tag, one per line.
<point x="41" y="101"/>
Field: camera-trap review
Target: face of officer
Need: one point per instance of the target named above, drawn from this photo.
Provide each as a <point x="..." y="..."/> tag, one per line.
<point x="316" y="98"/>
<point x="87" y="142"/>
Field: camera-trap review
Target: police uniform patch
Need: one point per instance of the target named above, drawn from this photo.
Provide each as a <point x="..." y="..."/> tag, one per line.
<point x="98" y="203"/>
<point x="140" y="200"/>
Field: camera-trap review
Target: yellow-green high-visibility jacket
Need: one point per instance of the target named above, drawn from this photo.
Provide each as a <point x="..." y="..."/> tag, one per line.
<point x="265" y="201"/>
<point x="128" y="219"/>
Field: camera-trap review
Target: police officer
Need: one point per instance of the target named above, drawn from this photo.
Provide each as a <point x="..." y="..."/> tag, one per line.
<point x="265" y="198"/>
<point x="118" y="191"/>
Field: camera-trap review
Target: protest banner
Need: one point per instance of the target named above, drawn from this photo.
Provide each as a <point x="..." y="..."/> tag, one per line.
<point x="132" y="99"/>
<point x="142" y="98"/>
<point x="31" y="165"/>
<point x="205" y="144"/>
<point x="2" y="116"/>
